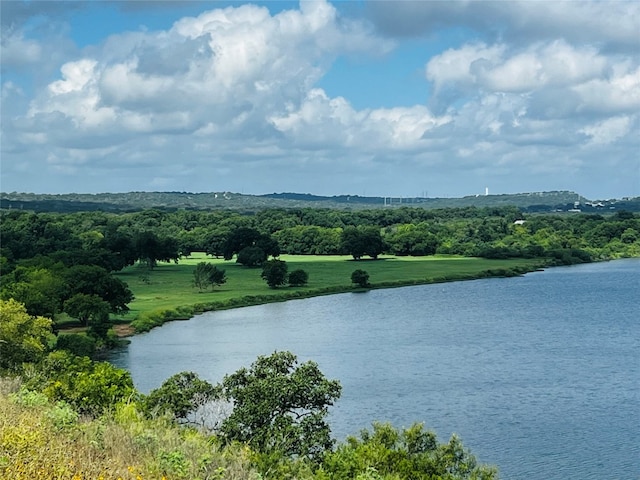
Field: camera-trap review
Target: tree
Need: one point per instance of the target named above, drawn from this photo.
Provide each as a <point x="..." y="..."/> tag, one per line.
<point x="244" y="237"/>
<point x="92" y="280"/>
<point x="77" y="344"/>
<point x="280" y="406"/>
<point x="40" y="290"/>
<point x="298" y="278"/>
<point x="23" y="338"/>
<point x="251" y="256"/>
<point x="92" y="312"/>
<point x="215" y="243"/>
<point x="180" y="395"/>
<point x="85" y="307"/>
<point x="360" y="277"/>
<point x="360" y="241"/>
<point x="274" y="272"/>
<point x="90" y="387"/>
<point x="206" y="274"/>
<point x="404" y="454"/>
<point x="150" y="249"/>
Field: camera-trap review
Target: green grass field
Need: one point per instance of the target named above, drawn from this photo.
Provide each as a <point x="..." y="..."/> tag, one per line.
<point x="169" y="285"/>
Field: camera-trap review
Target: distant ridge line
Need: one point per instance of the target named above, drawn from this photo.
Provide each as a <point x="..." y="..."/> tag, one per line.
<point x="132" y="201"/>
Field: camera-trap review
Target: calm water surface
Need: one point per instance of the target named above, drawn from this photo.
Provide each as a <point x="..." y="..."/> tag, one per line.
<point x="538" y="374"/>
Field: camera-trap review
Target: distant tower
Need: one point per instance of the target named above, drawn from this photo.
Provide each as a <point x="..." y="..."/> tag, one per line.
<point x="486" y="191"/>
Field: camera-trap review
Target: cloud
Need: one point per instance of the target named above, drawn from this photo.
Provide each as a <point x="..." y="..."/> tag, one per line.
<point x="560" y="79"/>
<point x="230" y="99"/>
<point x="612" y="24"/>
<point x="608" y="131"/>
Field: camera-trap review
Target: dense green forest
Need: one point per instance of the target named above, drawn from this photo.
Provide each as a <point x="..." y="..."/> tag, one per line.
<point x="58" y="269"/>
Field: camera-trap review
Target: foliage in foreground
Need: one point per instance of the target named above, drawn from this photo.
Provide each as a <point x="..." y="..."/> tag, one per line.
<point x="406" y="454"/>
<point x="23" y="338"/>
<point x="40" y="440"/>
<point x="280" y="406"/>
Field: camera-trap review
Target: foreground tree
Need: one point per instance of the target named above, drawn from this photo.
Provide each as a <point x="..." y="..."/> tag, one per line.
<point x="279" y="406"/>
<point x="23" y="338"/>
<point x="181" y="395"/>
<point x="274" y="272"/>
<point x="406" y="454"/>
<point x="89" y="387"/>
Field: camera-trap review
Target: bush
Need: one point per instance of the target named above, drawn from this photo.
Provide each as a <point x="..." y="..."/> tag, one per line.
<point x="89" y="387"/>
<point x="274" y="272"/>
<point x="298" y="278"/>
<point x="360" y="278"/>
<point x="77" y="344"/>
<point x="402" y="454"/>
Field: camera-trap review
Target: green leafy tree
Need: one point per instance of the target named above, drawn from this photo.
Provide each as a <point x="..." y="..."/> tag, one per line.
<point x="361" y="241"/>
<point x="280" y="406"/>
<point x="77" y="344"/>
<point x="180" y="395"/>
<point x="360" y="278"/>
<point x="215" y="243"/>
<point x="244" y="237"/>
<point x="40" y="290"/>
<point x="23" y="338"/>
<point x="206" y="274"/>
<point x="274" y="272"/>
<point x="251" y="256"/>
<point x="298" y="278"/>
<point x="93" y="280"/>
<point x="406" y="454"/>
<point x="86" y="307"/>
<point x="150" y="249"/>
<point x="90" y="387"/>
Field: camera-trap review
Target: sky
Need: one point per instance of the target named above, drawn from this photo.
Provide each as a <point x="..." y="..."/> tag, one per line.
<point x="371" y="98"/>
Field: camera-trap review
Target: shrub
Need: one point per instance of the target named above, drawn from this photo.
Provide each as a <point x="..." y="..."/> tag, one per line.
<point x="360" y="278"/>
<point x="298" y="278"/>
<point x="77" y="344"/>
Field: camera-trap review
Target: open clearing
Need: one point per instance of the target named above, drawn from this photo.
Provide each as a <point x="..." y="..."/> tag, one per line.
<point x="170" y="285"/>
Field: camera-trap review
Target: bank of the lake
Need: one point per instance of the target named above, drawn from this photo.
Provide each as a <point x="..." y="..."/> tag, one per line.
<point x="537" y="374"/>
<point x="167" y="292"/>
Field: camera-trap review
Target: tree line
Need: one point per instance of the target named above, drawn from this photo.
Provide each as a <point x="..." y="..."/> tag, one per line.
<point x="114" y="241"/>
<point x="54" y="263"/>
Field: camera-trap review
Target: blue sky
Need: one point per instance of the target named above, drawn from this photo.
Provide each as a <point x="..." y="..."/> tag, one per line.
<point x="388" y="98"/>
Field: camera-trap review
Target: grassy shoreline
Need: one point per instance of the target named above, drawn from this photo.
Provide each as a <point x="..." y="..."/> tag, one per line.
<point x="166" y="293"/>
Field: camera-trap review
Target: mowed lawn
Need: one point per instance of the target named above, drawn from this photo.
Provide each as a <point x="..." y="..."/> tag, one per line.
<point x="170" y="285"/>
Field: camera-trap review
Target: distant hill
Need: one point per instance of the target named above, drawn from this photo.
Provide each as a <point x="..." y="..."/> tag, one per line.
<point x="133" y="201"/>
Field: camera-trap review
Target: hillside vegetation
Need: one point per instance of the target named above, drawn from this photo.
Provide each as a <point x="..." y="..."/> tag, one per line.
<point x="135" y="201"/>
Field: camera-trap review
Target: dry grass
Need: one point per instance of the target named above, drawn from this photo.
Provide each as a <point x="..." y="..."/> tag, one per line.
<point x="42" y="441"/>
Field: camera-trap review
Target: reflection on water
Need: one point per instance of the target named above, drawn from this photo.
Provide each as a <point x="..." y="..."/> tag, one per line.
<point x="537" y="374"/>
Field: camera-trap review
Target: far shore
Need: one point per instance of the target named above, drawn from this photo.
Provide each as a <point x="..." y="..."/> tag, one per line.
<point x="166" y="293"/>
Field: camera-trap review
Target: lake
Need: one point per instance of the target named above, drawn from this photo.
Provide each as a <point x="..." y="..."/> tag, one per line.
<point x="538" y="374"/>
